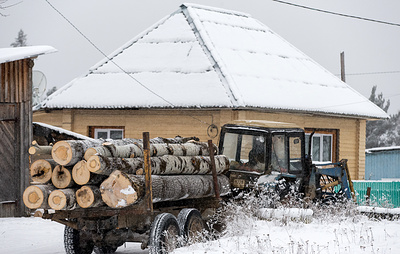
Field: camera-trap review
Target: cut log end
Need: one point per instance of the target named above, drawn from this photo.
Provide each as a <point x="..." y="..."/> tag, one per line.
<point x="32" y="150"/>
<point x="62" y="199"/>
<point x="93" y="164"/>
<point x="80" y="173"/>
<point x="62" y="152"/>
<point x="89" y="196"/>
<point x="117" y="191"/>
<point x="89" y="152"/>
<point x="61" y="177"/>
<point x="40" y="171"/>
<point x="35" y="196"/>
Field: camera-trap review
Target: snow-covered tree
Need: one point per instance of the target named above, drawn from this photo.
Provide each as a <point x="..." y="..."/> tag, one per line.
<point x="20" y="41"/>
<point x="382" y="133"/>
<point x="52" y="90"/>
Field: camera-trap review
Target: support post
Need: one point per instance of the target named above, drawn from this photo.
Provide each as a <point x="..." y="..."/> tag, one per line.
<point x="147" y="171"/>
<point x="342" y="69"/>
<point x="214" y="171"/>
<point x="368" y="197"/>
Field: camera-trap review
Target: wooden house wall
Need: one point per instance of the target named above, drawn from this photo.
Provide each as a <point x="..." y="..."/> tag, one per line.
<point x="16" y="134"/>
<point x="170" y="123"/>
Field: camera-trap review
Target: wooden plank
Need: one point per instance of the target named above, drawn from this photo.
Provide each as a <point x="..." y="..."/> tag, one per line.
<point x="14" y="78"/>
<point x="8" y="186"/>
<point x="2" y="82"/>
<point x="7" y="209"/>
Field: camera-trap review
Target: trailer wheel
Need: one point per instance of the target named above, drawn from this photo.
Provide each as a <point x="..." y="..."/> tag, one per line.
<point x="73" y="243"/>
<point x="164" y="234"/>
<point x="191" y="224"/>
<point x="105" y="249"/>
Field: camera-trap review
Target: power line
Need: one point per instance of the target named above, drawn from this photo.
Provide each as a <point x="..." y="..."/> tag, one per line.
<point x="109" y="59"/>
<point x="370" y="73"/>
<point x="119" y="67"/>
<point x="338" y="14"/>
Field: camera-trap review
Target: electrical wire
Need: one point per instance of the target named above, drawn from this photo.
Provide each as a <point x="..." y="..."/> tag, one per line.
<point x="369" y="73"/>
<point x="338" y="14"/>
<point x="118" y="66"/>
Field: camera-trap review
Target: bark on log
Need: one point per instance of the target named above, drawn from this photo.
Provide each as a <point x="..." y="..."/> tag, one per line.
<point x="63" y="199"/>
<point x="81" y="174"/>
<point x="110" y="150"/>
<point x="39" y="150"/>
<point x="164" y="165"/>
<point x="36" y="196"/>
<point x="62" y="177"/>
<point x="41" y="170"/>
<point x="122" y="190"/>
<point x="69" y="152"/>
<point x="187" y="149"/>
<point x="105" y="165"/>
<point x="89" y="196"/>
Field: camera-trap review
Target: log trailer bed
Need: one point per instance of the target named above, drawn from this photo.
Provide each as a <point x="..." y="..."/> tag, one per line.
<point x="259" y="154"/>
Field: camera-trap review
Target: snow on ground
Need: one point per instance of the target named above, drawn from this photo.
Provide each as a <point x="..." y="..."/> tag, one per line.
<point x="38" y="236"/>
<point x="346" y="234"/>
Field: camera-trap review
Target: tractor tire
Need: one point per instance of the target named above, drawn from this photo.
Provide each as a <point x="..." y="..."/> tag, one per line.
<point x="73" y="243"/>
<point x="191" y="224"/>
<point x="164" y="234"/>
<point x="105" y="249"/>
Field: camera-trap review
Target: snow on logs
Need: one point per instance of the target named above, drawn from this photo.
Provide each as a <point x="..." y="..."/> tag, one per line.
<point x="93" y="173"/>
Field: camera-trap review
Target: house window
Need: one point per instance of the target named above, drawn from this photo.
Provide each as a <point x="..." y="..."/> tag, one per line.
<point x="107" y="132"/>
<point x="323" y="147"/>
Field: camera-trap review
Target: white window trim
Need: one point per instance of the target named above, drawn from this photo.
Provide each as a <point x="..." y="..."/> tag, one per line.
<point x="96" y="130"/>
<point x="321" y="145"/>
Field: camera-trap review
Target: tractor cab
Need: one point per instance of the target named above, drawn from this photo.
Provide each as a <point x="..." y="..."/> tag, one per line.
<point x="261" y="150"/>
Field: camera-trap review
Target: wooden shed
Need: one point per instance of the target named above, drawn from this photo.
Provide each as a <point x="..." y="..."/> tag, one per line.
<point x="16" y="124"/>
<point x="382" y="163"/>
<point x="202" y="67"/>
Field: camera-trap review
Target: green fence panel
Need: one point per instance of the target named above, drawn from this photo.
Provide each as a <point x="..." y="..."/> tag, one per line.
<point x="384" y="194"/>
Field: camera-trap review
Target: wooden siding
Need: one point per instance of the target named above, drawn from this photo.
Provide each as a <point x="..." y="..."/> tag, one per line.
<point x="188" y="122"/>
<point x="16" y="134"/>
<point x="382" y="164"/>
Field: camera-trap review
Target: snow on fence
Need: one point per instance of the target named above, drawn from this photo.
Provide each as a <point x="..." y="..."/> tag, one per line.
<point x="383" y="193"/>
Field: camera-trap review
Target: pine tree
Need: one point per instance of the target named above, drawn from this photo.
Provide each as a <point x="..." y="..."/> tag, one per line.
<point x="20" y="41"/>
<point x="382" y="133"/>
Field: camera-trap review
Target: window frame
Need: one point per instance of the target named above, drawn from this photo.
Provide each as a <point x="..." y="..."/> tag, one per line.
<point x="334" y="133"/>
<point x="94" y="129"/>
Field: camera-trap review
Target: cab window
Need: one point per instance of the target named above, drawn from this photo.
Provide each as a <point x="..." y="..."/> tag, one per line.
<point x="245" y="152"/>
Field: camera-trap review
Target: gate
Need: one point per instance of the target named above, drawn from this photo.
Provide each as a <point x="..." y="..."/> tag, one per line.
<point x="9" y="162"/>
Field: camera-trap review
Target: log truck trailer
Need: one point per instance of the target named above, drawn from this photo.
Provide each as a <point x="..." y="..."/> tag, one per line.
<point x="261" y="154"/>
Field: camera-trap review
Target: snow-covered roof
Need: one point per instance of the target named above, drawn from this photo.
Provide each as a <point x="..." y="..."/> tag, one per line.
<point x="63" y="131"/>
<point x="204" y="57"/>
<point x="13" y="54"/>
<point x="382" y="149"/>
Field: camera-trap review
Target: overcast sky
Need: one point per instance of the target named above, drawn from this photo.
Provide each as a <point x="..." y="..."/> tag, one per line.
<point x="372" y="50"/>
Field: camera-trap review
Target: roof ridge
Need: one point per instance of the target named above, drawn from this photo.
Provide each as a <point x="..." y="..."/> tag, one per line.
<point x="130" y="42"/>
<point x="227" y="82"/>
<point x="215" y="9"/>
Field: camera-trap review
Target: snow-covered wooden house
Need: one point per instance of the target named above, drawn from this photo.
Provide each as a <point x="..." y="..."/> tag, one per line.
<point x="202" y="67"/>
<point x="16" y="124"/>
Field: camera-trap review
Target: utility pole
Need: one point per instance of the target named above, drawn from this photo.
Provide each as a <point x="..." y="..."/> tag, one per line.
<point x="342" y="72"/>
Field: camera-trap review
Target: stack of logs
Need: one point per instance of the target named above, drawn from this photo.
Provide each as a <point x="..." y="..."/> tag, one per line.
<point x="94" y="173"/>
